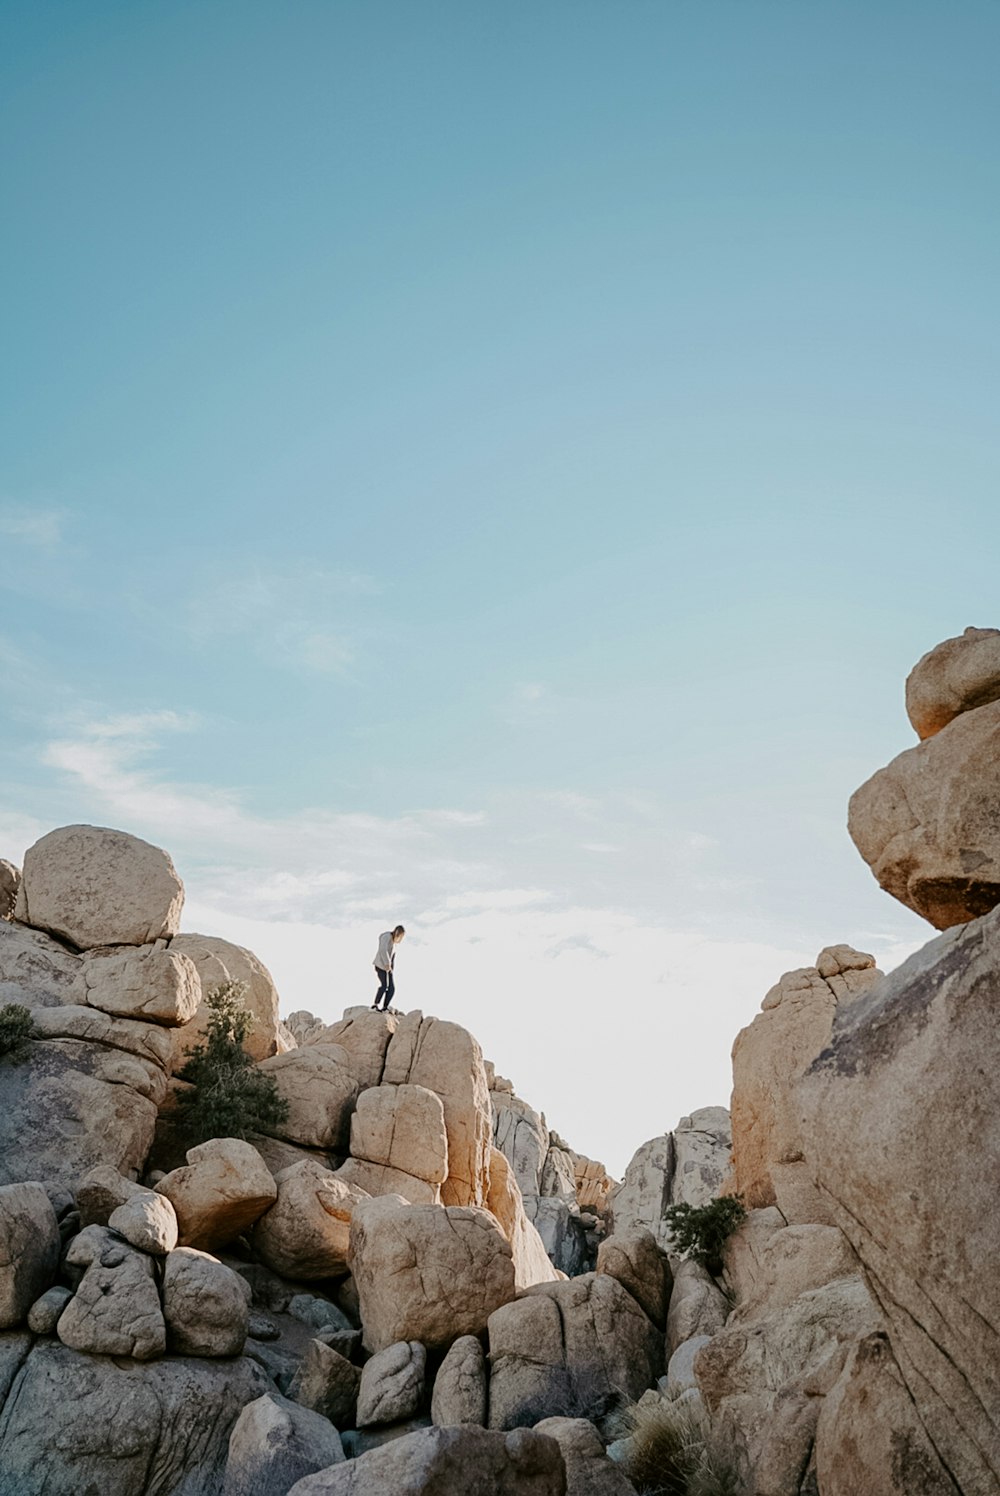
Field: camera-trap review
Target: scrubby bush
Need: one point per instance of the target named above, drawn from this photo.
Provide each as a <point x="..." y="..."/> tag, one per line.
<point x="231" y="1097"/>
<point x="17" y="1029"/>
<point x="671" y="1451"/>
<point x="701" y="1231"/>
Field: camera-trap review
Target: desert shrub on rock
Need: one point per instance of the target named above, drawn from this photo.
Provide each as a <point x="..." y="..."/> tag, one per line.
<point x="701" y="1231"/>
<point x="231" y="1098"/>
<point x="17" y="1029"/>
<point x="671" y="1451"/>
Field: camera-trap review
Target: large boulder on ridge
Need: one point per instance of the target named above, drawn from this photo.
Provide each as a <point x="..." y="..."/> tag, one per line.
<point x="953" y="677"/>
<point x="94" y="886"/>
<point x="901" y="1122"/>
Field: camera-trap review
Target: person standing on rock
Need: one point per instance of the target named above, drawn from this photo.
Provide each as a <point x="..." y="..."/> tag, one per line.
<point x="385" y="958"/>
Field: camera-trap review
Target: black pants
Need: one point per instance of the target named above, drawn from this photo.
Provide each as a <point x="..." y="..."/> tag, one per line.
<point x="386" y="988"/>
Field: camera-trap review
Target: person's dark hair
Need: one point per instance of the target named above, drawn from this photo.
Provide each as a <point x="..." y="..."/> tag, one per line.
<point x="399" y="930"/>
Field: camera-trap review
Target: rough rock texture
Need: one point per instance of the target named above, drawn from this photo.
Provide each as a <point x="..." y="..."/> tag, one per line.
<point x="147" y="1221"/>
<point x="927" y="825"/>
<point x="403" y="1128"/>
<point x="460" y="1387"/>
<point x="792" y="1262"/>
<point x="531" y="1262"/>
<point x="447" y="1060"/>
<point x="93" y="886"/>
<point x="687" y="1165"/>
<point x="392" y="1384"/>
<point x="580" y="1348"/>
<point x="697" y="1305"/>
<point x="744" y="1250"/>
<point x="219" y="961"/>
<point x="115" y="1310"/>
<point x="635" y="1260"/>
<point x="224" y="1187"/>
<point x="100" y="1192"/>
<point x="276" y="1442"/>
<point x="365" y="1035"/>
<point x="589" y="1472"/>
<point x="426" y="1273"/>
<point x="446" y="1461"/>
<point x="902" y="1119"/>
<point x="956" y="676"/>
<point x="10" y="881"/>
<point x="43" y="1316"/>
<point x="204" y="1304"/>
<point x="306" y="1233"/>
<point x="148" y="982"/>
<point x="29" y="1249"/>
<point x="35" y="970"/>
<point x="520" y="1133"/>
<point x="680" y="1367"/>
<point x="769" y="1056"/>
<point x="76" y="1424"/>
<point x="327" y="1383"/>
<point x="380" y="1179"/>
<point x="320" y="1087"/>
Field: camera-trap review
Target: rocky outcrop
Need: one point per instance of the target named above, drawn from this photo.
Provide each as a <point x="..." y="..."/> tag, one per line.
<point x="218" y="961"/>
<point x="901" y="1116"/>
<point x="219" y="1193"/>
<point x="147" y="982"/>
<point x="635" y="1260"/>
<point x="531" y="1262"/>
<point x="35" y="970"/>
<point x="92" y="886"/>
<point x="29" y="1249"/>
<point x="426" y="1273"/>
<point x="687" y="1165"/>
<point x="115" y="1310"/>
<point x="306" y="1232"/>
<point x="365" y="1035"/>
<point x="320" y="1087"/>
<point x="439" y="1460"/>
<point x="769" y="1056"/>
<point x="10" y="881"/>
<point x="954" y="677"/>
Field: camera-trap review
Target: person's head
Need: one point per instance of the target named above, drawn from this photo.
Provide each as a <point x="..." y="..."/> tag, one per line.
<point x="398" y="934"/>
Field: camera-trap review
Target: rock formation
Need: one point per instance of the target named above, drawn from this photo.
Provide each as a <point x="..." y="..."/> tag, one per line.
<point x="688" y="1165"/>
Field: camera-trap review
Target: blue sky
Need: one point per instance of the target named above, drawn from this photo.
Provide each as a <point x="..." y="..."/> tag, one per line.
<point x="494" y="467"/>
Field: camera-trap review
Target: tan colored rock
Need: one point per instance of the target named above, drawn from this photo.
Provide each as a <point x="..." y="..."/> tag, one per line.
<point x="147" y="982"/>
<point x="769" y="1057"/>
<point x="94" y="886"/>
<point x="204" y="1304"/>
<point x="221" y="1191"/>
<point x="426" y="1273"/>
<point x="901" y="1116"/>
<point x="402" y="1127"/>
<point x="10" y="880"/>
<point x="686" y="1166"/>
<point x="697" y="1305"/>
<point x="365" y="1035"/>
<point x="927" y="826"/>
<point x="35" y="970"/>
<point x="219" y="961"/>
<point x="29" y="1249"/>
<point x="869" y="1436"/>
<point x="306" y="1233"/>
<point x="593" y="1184"/>
<point x="380" y="1179"/>
<point x="744" y="1251"/>
<point x="274" y="1443"/>
<point x="279" y="1155"/>
<point x="589" y="1472"/>
<point x="578" y="1348"/>
<point x="327" y="1383"/>
<point x="320" y="1087"/>
<point x="147" y="1221"/>
<point x="447" y="1060"/>
<point x="460" y="1387"/>
<point x="634" y="1259"/>
<point x="448" y="1460"/>
<point x="392" y="1384"/>
<point x="794" y="1261"/>
<point x="956" y="676"/>
<point x="116" y="1308"/>
<point x="531" y="1261"/>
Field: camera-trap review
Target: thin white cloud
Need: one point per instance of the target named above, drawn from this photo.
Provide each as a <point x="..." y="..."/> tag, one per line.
<point x="31" y="524"/>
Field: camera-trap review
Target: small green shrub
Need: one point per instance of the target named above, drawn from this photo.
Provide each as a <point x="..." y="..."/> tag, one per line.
<point x="701" y="1231"/>
<point x="17" y="1029"/>
<point x="231" y="1097"/>
<point x="671" y="1452"/>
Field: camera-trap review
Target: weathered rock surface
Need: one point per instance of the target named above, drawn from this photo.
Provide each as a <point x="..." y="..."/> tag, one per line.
<point x="460" y="1387"/>
<point x="743" y="1252"/>
<point x="43" y="1316"/>
<point x="94" y="886"/>
<point x="445" y="1461"/>
<point x="381" y="1179"/>
<point x="955" y="676"/>
<point x="29" y="1249"/>
<point x="327" y="1383"/>
<point x="365" y="1035"/>
<point x="901" y="1115"/>
<point x="687" y="1165"/>
<point x="274" y="1443"/>
<point x="580" y="1348"/>
<point x="697" y="1305"/>
<point x="403" y="1128"/>
<point x="927" y="826"/>
<point x="635" y="1260"/>
<point x="115" y="1310"/>
<point x="10" y="880"/>
<point x="147" y="982"/>
<point x="446" y="1059"/>
<point x="205" y="1305"/>
<point x="392" y="1384"/>
<point x="222" y="1190"/>
<point x="320" y="1087"/>
<point x="35" y="970"/>
<point x="531" y="1261"/>
<point x="520" y="1133"/>
<point x="306" y="1233"/>
<point x="218" y="961"/>
<point x="589" y="1472"/>
<point x="426" y="1273"/>
<point x="769" y="1057"/>
<point x="76" y="1424"/>
<point x="147" y="1221"/>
